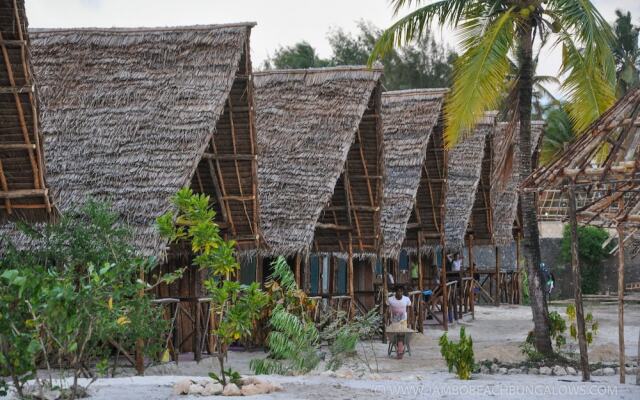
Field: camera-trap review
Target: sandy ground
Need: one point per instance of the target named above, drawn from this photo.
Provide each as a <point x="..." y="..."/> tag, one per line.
<point x="497" y="333"/>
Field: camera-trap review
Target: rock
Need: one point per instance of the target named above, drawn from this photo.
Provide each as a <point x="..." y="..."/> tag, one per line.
<point x="534" y="371"/>
<point x="196" y="388"/>
<point x="629" y="371"/>
<point x="484" y="370"/>
<point x="559" y="371"/>
<point x="502" y="371"/>
<point x="252" y="389"/>
<point x="545" y="371"/>
<point x="182" y="386"/>
<point x="250" y="380"/>
<point x="598" y="372"/>
<point x="51" y="394"/>
<point x="494" y="368"/>
<point x="572" y="371"/>
<point x="514" y="371"/>
<point x="345" y="374"/>
<point x="231" y="389"/>
<point x="608" y="371"/>
<point x="212" y="389"/>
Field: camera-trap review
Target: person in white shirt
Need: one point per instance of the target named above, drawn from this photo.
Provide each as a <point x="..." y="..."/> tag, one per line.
<point x="398" y="305"/>
<point x="457" y="263"/>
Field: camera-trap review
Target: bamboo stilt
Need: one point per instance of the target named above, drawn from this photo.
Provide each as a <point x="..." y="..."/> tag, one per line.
<point x="472" y="270"/>
<point x="621" y="360"/>
<point x="443" y="285"/>
<point x="496" y="300"/>
<point x="575" y="267"/>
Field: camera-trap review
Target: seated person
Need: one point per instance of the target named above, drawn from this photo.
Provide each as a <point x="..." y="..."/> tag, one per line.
<point x="398" y="305"/>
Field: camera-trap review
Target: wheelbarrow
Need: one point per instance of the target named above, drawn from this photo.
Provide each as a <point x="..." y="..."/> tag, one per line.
<point x="394" y="336"/>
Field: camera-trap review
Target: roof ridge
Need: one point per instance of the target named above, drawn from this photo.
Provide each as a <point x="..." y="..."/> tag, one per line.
<point x="142" y="29"/>
<point x="318" y="70"/>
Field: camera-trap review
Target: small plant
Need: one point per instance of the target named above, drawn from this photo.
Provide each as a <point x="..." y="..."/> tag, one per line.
<point x="591" y="325"/>
<point x="238" y="306"/>
<point x="293" y="340"/>
<point x="230" y="375"/>
<point x="343" y="335"/>
<point x="458" y="355"/>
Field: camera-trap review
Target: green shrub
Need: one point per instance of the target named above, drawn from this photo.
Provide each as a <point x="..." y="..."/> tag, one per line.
<point x="591" y="254"/>
<point x="239" y="305"/>
<point x="458" y="355"/>
<point x="293" y="340"/>
<point x="70" y="295"/>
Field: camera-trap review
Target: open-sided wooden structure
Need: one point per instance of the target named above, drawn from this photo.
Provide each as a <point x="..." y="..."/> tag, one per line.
<point x="603" y="164"/>
<point x="132" y="115"/>
<point x="320" y="166"/>
<point x="414" y="187"/>
<point x="23" y="191"/>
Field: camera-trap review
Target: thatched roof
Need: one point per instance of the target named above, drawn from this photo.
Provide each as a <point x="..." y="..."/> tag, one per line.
<point x="468" y="185"/>
<point x="128" y="113"/>
<point x="409" y="117"/>
<point x="23" y="190"/>
<point x="307" y="122"/>
<point x="505" y="196"/>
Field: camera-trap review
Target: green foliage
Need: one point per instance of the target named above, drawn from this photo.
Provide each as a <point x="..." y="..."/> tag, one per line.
<point x="74" y="291"/>
<point x="240" y="305"/>
<point x="490" y="31"/>
<point x="591" y="254"/>
<point x="626" y="53"/>
<point x="293" y="340"/>
<point x="458" y="355"/>
<point x="231" y="375"/>
<point x="421" y="65"/>
<point x="591" y="324"/>
<point x="300" y="55"/>
<point x="342" y="335"/>
<point x="558" y="132"/>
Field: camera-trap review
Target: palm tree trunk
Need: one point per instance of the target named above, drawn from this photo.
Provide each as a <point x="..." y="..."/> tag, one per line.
<point x="528" y="200"/>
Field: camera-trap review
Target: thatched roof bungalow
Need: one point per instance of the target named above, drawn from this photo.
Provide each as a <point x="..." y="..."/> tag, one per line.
<point x="23" y="191"/>
<point x="133" y="115"/>
<point x="319" y="169"/>
<point x="505" y="197"/>
<point x="468" y="200"/>
<point x="414" y="184"/>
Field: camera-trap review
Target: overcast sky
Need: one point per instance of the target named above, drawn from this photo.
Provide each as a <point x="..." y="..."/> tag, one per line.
<point x="280" y="22"/>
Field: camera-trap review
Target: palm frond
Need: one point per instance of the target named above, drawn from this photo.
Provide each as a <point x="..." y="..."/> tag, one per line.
<point x="590" y="31"/>
<point x="416" y="24"/>
<point x="586" y="85"/>
<point x="479" y="75"/>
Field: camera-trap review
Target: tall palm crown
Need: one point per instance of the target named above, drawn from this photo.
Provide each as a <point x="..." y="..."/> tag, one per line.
<point x="626" y="52"/>
<point x="490" y="30"/>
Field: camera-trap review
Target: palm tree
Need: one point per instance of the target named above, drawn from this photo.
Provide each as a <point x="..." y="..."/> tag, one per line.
<point x="491" y="30"/>
<point x="557" y="133"/>
<point x="626" y="53"/>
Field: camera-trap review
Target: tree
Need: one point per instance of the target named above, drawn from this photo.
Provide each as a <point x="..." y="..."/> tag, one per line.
<point x="592" y="251"/>
<point x="490" y="30"/>
<point x="424" y="64"/>
<point x="300" y="55"/>
<point x="626" y="53"/>
<point x="558" y="132"/>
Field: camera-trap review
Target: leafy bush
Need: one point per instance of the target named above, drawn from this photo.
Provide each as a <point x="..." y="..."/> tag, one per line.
<point x="591" y="254"/>
<point x="293" y="340"/>
<point x="70" y="295"/>
<point x="238" y="306"/>
<point x="591" y="325"/>
<point x="458" y="355"/>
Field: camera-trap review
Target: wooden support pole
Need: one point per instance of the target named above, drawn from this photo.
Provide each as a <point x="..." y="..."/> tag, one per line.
<point x="332" y="275"/>
<point x="352" y="293"/>
<point x="496" y="300"/>
<point x="472" y="295"/>
<point x="621" y="360"/>
<point x="298" y="281"/>
<point x="518" y="299"/>
<point x="443" y="285"/>
<point x="385" y="295"/>
<point x="577" y="288"/>
<point x="420" y="284"/>
<point x="140" y="341"/>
